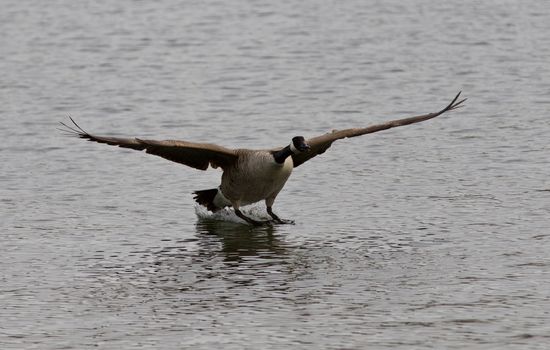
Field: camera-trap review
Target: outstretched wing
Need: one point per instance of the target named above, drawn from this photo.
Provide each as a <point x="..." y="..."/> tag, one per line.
<point x="195" y="155"/>
<point x="321" y="143"/>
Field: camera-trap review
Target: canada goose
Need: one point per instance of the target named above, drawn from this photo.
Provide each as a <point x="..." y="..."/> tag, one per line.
<point x="248" y="175"/>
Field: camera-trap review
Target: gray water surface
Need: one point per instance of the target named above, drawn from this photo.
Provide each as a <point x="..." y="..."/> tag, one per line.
<point x="428" y="236"/>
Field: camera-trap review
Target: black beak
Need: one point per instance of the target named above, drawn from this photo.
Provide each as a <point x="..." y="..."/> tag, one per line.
<point x="300" y="144"/>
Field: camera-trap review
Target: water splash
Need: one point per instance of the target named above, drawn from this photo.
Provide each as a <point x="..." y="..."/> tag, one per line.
<point x="228" y="214"/>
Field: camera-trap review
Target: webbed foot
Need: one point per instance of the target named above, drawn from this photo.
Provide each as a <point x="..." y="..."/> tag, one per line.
<point x="277" y="219"/>
<point x="250" y="220"/>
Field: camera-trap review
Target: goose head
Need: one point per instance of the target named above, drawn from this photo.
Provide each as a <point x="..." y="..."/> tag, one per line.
<point x="299" y="145"/>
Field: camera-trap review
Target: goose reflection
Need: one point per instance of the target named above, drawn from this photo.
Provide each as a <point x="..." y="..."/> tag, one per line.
<point x="237" y="242"/>
<point x="220" y="256"/>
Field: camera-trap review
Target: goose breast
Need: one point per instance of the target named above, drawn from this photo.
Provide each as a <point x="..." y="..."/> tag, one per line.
<point x="255" y="177"/>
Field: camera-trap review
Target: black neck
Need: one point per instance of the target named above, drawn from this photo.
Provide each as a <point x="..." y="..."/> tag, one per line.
<point x="282" y="155"/>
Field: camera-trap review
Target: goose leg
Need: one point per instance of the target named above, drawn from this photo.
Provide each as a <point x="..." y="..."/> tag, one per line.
<point x="249" y="220"/>
<point x="276" y="218"/>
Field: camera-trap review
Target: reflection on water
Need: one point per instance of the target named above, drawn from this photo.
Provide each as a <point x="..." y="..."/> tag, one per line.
<point x="239" y="241"/>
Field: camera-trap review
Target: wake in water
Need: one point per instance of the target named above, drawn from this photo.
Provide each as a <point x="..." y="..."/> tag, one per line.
<point x="228" y="214"/>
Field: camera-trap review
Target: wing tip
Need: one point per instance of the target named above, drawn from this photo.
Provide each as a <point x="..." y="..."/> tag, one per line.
<point x="74" y="130"/>
<point x="454" y="104"/>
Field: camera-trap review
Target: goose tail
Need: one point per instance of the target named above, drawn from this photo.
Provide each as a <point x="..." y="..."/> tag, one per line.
<point x="206" y="198"/>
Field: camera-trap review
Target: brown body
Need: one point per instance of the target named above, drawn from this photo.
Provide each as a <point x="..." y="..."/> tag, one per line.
<point x="254" y="177"/>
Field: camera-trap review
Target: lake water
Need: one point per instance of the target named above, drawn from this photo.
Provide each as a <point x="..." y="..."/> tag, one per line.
<point x="435" y="235"/>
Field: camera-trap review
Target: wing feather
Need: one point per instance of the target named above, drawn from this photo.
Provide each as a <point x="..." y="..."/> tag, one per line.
<point x="321" y="143"/>
<point x="195" y="155"/>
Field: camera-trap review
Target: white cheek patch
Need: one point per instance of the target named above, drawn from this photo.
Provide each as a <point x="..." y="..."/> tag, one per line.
<point x="293" y="149"/>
